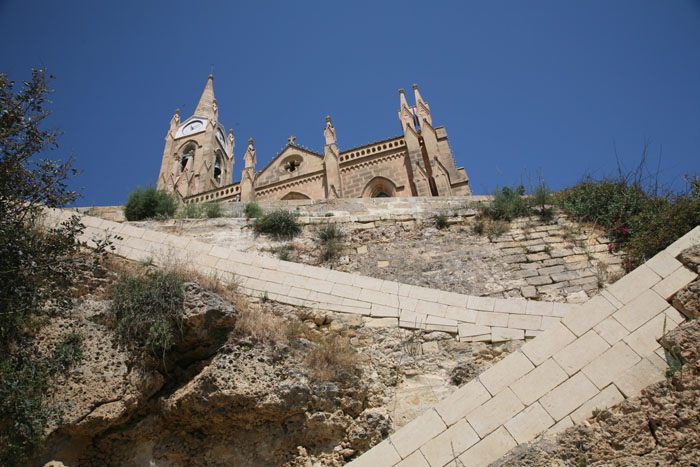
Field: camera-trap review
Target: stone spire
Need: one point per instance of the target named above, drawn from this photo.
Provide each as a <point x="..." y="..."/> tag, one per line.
<point x="422" y="108"/>
<point x="405" y="112"/>
<point x="207" y="103"/>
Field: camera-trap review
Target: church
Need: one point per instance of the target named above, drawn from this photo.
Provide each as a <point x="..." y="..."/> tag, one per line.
<point x="198" y="161"/>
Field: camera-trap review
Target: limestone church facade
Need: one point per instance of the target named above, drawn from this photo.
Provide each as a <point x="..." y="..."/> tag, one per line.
<point x="198" y="161"/>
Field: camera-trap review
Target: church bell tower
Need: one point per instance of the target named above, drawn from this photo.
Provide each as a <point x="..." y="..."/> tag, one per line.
<point x="198" y="156"/>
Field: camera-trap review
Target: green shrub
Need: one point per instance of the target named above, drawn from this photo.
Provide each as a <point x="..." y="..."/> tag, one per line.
<point x="478" y="228"/>
<point x="603" y="202"/>
<point x="507" y="204"/>
<point x="253" y="211"/>
<point x="278" y="224"/>
<point x="640" y="223"/>
<point x="213" y="210"/>
<point x="440" y="220"/>
<point x="191" y="211"/>
<point x="147" y="203"/>
<point x="495" y="229"/>
<point x="331" y="237"/>
<point x="148" y="311"/>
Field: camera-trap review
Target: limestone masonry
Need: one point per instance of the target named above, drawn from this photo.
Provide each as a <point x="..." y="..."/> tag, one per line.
<point x="198" y="162"/>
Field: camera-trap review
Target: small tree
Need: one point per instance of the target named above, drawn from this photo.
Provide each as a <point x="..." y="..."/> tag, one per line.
<point x="147" y="203"/>
<point x="36" y="265"/>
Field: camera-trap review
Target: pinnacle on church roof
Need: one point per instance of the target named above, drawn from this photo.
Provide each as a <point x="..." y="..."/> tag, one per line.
<point x="402" y="96"/>
<point x="416" y="94"/>
<point x="205" y="107"/>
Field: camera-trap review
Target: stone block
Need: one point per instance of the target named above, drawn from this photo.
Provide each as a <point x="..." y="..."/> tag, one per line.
<point x="417" y="432"/>
<point x="368" y="283"/>
<point x="548" y="321"/>
<point x="588" y="315"/>
<point x="430" y="308"/>
<point x="581" y="352"/>
<point x="634" y="283"/>
<point x="499" y="334"/>
<point x="674" y="282"/>
<point x="565" y="276"/>
<point x="641" y="375"/>
<point x="640" y="310"/>
<point x="424" y="293"/>
<point x="529" y="423"/>
<point x="686" y="241"/>
<point x="414" y="460"/>
<point x="495" y="412"/>
<point x="382" y="311"/>
<point x="471" y="330"/>
<point x="481" y="303"/>
<point x="568" y="396"/>
<point x="487" y="318"/>
<point x="461" y="314"/>
<point x="346" y="291"/>
<point x="532" y="322"/>
<point x="462" y="401"/>
<point x="663" y="264"/>
<point x="489" y="449"/>
<point x="563" y="310"/>
<point x="538" y="382"/>
<point x="450" y="443"/>
<point x="539" y="308"/>
<point x="529" y="291"/>
<point x="383" y="453"/>
<point x="546" y="344"/>
<point x="645" y="339"/>
<point x="453" y="299"/>
<point x="616" y="360"/>
<point x="537" y="257"/>
<point x="606" y="398"/>
<point x="560" y="426"/>
<point x="503" y="373"/>
<point x="611" y="330"/>
<point x="551" y="270"/>
<point x="513" y="305"/>
<point x="539" y="280"/>
<point x="390" y="287"/>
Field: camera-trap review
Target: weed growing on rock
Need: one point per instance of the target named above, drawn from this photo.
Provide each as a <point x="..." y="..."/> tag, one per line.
<point x="440" y="221"/>
<point x="332" y="359"/>
<point x="278" y="224"/>
<point x="190" y="211"/>
<point x="252" y="210"/>
<point x="213" y="210"/>
<point x="148" y="311"/>
<point x="283" y="252"/>
<point x="495" y="229"/>
<point x="331" y="237"/>
<point x="260" y="324"/>
<point x="478" y="228"/>
<point x="507" y="204"/>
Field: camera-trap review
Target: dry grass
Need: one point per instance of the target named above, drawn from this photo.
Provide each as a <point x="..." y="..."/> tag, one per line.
<point x="333" y="359"/>
<point x="261" y="324"/>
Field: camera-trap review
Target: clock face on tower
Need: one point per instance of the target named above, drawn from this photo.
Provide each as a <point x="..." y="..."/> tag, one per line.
<point x="193" y="127"/>
<point x="220" y="137"/>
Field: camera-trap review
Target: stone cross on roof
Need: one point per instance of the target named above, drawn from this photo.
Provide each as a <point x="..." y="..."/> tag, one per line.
<point x="291" y="139"/>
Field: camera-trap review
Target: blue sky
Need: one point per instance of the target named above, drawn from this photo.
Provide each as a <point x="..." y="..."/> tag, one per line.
<point x="520" y="86"/>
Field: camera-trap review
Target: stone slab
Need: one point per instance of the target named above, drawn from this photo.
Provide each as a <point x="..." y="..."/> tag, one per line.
<point x="675" y="281"/>
<point x="489" y="449"/>
<point x="640" y="310"/>
<point x="495" y="412"/>
<point x="450" y="443"/>
<point x="418" y="432"/>
<point x="462" y="401"/>
<point x="529" y="423"/>
<point x="606" y="398"/>
<point x="538" y="382"/>
<point x="634" y="283"/>
<point x="616" y="360"/>
<point x="588" y="315"/>
<point x="568" y="396"/>
<point x="383" y="454"/>
<point x="581" y="352"/>
<point x="553" y="339"/>
<point x="641" y="375"/>
<point x="505" y="372"/>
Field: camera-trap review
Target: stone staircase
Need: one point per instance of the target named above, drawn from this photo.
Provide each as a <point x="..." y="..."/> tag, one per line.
<point x="588" y="357"/>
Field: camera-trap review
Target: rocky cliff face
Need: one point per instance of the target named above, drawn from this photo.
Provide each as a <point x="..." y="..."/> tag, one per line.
<point x="224" y="397"/>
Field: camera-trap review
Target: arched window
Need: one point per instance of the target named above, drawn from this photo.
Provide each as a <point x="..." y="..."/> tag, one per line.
<point x="186" y="154"/>
<point x="217" y="169"/>
<point x="379" y="187"/>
